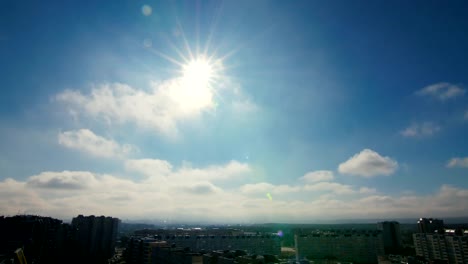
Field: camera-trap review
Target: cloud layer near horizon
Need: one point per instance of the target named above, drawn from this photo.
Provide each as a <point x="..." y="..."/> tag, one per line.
<point x="199" y="193"/>
<point x="218" y="192"/>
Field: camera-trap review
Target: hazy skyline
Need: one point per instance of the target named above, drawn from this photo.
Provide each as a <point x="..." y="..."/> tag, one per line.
<point x="236" y="111"/>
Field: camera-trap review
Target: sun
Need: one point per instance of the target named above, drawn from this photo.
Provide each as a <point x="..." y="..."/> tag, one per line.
<point x="200" y="77"/>
<point x="198" y="72"/>
<point x="196" y="87"/>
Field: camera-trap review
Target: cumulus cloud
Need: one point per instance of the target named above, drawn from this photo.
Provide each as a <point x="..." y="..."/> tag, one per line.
<point x="317" y="176"/>
<point x="458" y="162"/>
<point x="69" y="193"/>
<point x="162" y="108"/>
<point x="66" y="194"/>
<point x="62" y="180"/>
<point x="86" y="141"/>
<point x="424" y="129"/>
<point x="368" y="163"/>
<point x="442" y="91"/>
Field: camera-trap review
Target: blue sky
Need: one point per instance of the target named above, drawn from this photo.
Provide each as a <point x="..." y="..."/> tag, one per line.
<point x="244" y="111"/>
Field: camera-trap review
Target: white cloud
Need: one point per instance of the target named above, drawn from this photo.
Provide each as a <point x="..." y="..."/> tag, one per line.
<point x="424" y="129"/>
<point x="86" y="141"/>
<point x="149" y="167"/>
<point x="163" y="172"/>
<point x="323" y="186"/>
<point x="366" y="190"/>
<point x="466" y="115"/>
<point x="162" y="108"/>
<point x="203" y="188"/>
<point x="263" y="187"/>
<point x="230" y="171"/>
<point x="333" y="187"/>
<point x="317" y="176"/>
<point x="67" y="180"/>
<point x="442" y="91"/>
<point x="368" y="163"/>
<point x="458" y="162"/>
<point x="69" y="193"/>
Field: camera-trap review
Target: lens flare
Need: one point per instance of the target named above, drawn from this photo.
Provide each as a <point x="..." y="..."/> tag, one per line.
<point x="146" y="10"/>
<point x="280" y="233"/>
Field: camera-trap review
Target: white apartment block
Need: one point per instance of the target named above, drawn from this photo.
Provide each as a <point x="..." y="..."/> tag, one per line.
<point x="448" y="247"/>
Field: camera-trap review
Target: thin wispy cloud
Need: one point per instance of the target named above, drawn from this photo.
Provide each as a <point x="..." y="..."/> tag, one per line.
<point x="425" y="129"/>
<point x="86" y="141"/>
<point x="442" y="91"/>
<point x="158" y="169"/>
<point x="332" y="187"/>
<point x="318" y="176"/>
<point x="263" y="188"/>
<point x="458" y="162"/>
<point x="368" y="163"/>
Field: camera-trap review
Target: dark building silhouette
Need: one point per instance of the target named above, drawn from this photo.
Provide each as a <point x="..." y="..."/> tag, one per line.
<point x="41" y="239"/>
<point x="429" y="225"/>
<point x="95" y="237"/>
<point x="391" y="236"/>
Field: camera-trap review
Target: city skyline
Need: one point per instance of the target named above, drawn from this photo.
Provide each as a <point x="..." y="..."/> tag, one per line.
<point x="234" y="111"/>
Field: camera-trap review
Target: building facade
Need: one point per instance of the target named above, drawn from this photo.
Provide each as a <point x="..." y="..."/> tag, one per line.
<point x="355" y="246"/>
<point x="95" y="237"/>
<point x="450" y="247"/>
<point x="391" y="236"/>
<point x="253" y="244"/>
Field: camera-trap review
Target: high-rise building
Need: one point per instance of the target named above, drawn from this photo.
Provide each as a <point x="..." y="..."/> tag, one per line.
<point x="391" y="236"/>
<point x="352" y="246"/>
<point x="43" y="239"/>
<point x="140" y="250"/>
<point x="429" y="225"/>
<point x="449" y="246"/>
<point x="95" y="236"/>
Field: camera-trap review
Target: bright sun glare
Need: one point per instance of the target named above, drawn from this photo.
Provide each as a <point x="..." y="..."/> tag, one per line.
<point x="198" y="72"/>
<point x="201" y="76"/>
<point x="196" y="88"/>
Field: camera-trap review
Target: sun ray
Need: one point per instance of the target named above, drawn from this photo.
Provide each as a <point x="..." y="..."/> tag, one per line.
<point x="213" y="26"/>
<point x="167" y="57"/>
<point x="197" y="28"/>
<point x="177" y="50"/>
<point x="182" y="34"/>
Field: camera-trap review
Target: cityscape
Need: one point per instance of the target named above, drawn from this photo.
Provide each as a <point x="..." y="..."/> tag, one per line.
<point x="234" y="131"/>
<point x="100" y="239"/>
